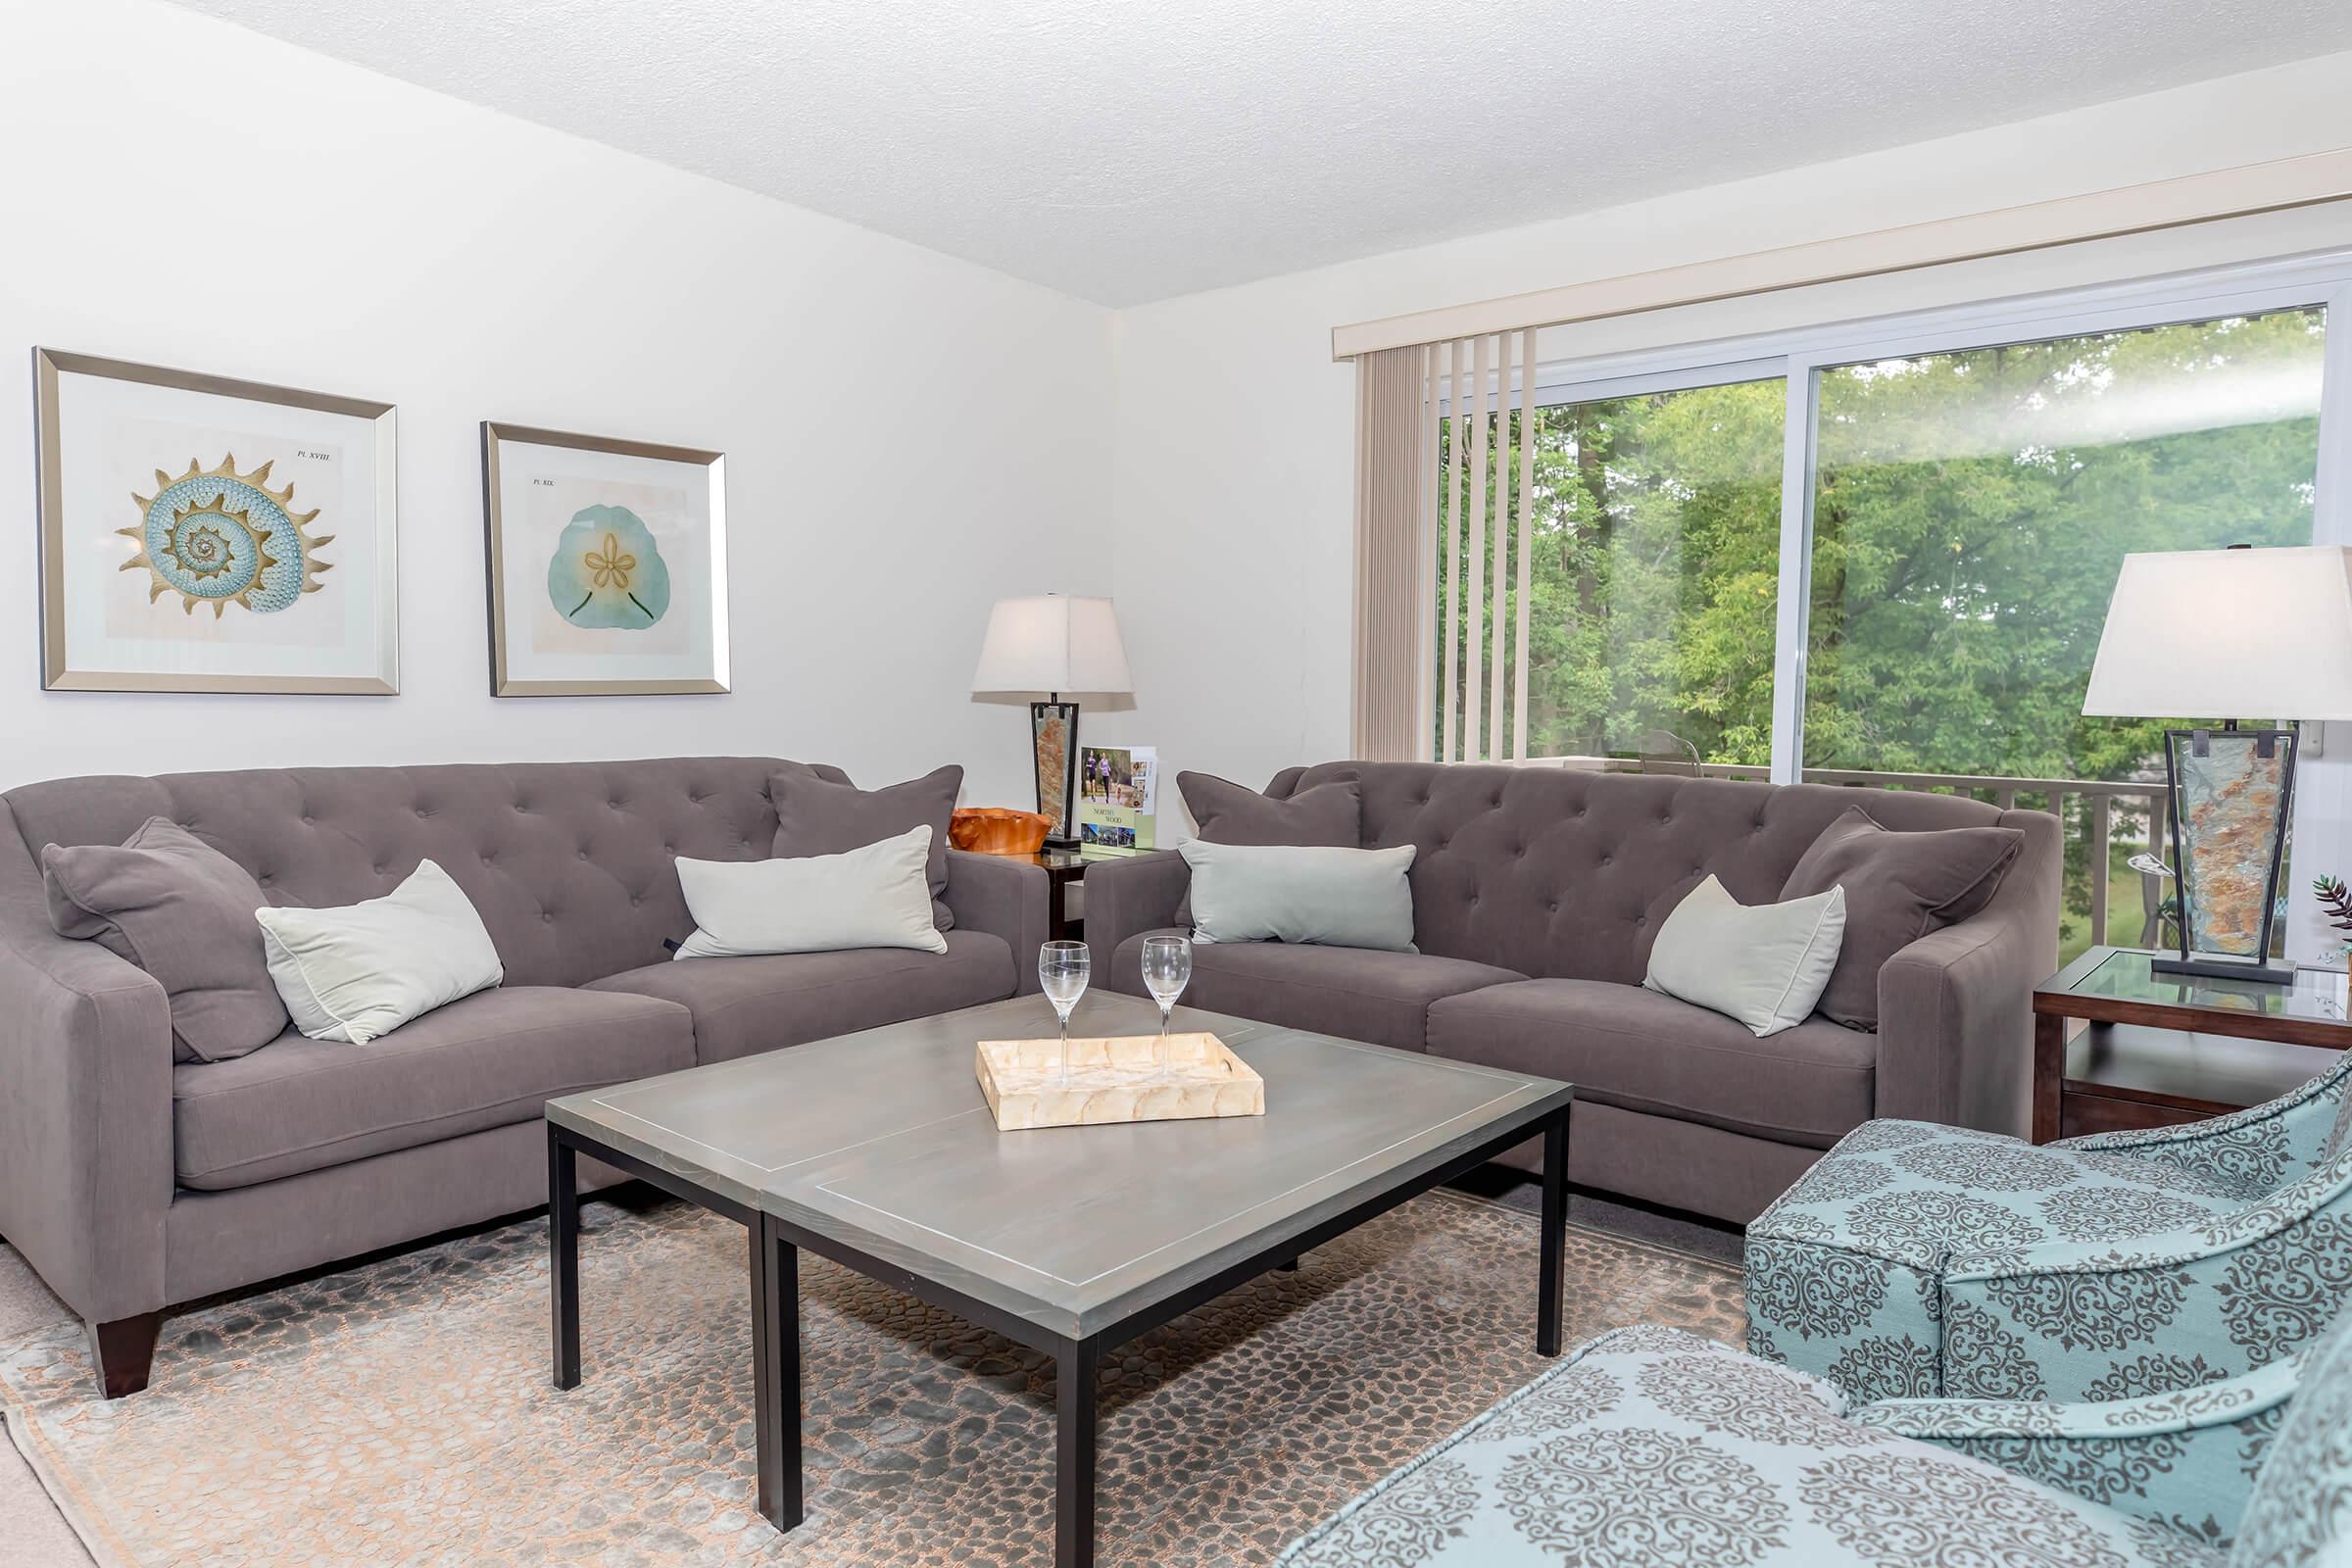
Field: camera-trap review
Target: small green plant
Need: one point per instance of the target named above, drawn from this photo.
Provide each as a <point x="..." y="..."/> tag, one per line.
<point x="2336" y="901"/>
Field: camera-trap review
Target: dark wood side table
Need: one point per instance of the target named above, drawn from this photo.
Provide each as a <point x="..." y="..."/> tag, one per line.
<point x="2162" y="1049"/>
<point x="1063" y="869"/>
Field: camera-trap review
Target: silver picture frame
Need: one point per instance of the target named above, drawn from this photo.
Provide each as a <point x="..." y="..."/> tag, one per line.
<point x="59" y="670"/>
<point x="504" y="680"/>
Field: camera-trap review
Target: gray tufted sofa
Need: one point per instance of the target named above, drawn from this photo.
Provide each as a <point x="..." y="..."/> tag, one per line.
<point x="132" y="1182"/>
<point x="1535" y="894"/>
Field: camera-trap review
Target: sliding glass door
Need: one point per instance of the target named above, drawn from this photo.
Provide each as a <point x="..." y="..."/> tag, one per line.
<point x="1971" y="509"/>
<point x="1880" y="553"/>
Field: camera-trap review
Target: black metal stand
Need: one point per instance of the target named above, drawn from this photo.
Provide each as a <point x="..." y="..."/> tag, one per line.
<point x="776" y="1374"/>
<point x="563" y="1256"/>
<point x="775" y="1299"/>
<point x="2268" y="975"/>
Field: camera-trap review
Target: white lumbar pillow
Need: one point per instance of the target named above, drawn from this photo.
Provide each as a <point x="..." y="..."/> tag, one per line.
<point x="1300" y="892"/>
<point x="876" y="897"/>
<point x="365" y="970"/>
<point x="1764" y="965"/>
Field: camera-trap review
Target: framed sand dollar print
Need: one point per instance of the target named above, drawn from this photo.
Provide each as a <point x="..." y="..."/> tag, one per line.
<point x="204" y="534"/>
<point x="608" y="564"/>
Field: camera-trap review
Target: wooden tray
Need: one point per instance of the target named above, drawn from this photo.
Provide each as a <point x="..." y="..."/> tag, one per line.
<point x="1115" y="1080"/>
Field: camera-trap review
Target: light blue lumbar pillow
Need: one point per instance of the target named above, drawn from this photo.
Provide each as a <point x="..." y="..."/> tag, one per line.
<point x="1289" y="893"/>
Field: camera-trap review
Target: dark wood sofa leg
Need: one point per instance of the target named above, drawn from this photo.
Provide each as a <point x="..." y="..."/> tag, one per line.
<point x="125" y="1349"/>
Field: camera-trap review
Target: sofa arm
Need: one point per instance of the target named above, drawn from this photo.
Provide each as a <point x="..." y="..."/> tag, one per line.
<point x="1126" y="896"/>
<point x="1956" y="1006"/>
<point x="2186" y="1458"/>
<point x="1005" y="897"/>
<point x="85" y="1105"/>
<point x="2264" y="1146"/>
<point x="2225" y="1295"/>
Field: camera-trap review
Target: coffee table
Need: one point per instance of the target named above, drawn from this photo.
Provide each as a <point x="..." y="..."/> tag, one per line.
<point x="876" y="1151"/>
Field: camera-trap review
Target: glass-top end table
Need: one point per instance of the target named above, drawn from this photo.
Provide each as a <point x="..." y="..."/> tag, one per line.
<point x="2124" y="974"/>
<point x="2161" y="1049"/>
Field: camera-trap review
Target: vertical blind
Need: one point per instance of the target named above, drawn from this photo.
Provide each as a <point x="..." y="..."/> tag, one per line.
<point x="1483" y="497"/>
<point x="1445" y="474"/>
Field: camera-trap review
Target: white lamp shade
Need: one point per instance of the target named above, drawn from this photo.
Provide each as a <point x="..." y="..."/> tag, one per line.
<point x="2228" y="635"/>
<point x="1051" y="643"/>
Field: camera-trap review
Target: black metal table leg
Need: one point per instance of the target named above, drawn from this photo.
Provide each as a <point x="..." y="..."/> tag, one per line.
<point x="776" y="1373"/>
<point x="563" y="1256"/>
<point x="1074" y="1454"/>
<point x="1549" y="1249"/>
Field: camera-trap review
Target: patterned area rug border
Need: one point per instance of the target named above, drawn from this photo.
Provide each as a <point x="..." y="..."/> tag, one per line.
<point x="336" y="1400"/>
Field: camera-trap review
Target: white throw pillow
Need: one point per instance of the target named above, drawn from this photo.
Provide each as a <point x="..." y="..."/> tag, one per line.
<point x="1297" y="893"/>
<point x="876" y="897"/>
<point x="1765" y="965"/>
<point x="362" y="971"/>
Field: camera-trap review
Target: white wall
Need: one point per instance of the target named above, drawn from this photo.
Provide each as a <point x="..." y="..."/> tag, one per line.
<point x="1232" y="480"/>
<point x="907" y="437"/>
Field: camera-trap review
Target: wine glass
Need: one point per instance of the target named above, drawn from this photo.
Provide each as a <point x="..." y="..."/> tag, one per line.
<point x="1061" y="968"/>
<point x="1167" y="970"/>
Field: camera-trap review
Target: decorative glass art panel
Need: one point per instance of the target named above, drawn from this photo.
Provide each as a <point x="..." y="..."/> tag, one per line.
<point x="2230" y="797"/>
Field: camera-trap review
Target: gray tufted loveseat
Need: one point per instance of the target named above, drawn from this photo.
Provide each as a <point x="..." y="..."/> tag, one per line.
<point x="1536" y="894"/>
<point x="132" y="1182"/>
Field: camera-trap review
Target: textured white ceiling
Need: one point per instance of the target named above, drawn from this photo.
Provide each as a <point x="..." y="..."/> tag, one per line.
<point x="1129" y="150"/>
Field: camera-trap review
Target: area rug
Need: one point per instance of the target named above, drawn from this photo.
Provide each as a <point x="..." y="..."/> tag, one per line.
<point x="401" y="1411"/>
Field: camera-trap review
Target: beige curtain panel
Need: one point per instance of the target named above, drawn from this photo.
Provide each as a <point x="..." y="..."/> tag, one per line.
<point x="1393" y="417"/>
<point x="1444" y="473"/>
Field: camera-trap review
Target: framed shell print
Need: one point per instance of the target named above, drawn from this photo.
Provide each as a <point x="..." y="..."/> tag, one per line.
<point x="203" y="534"/>
<point x="608" y="564"/>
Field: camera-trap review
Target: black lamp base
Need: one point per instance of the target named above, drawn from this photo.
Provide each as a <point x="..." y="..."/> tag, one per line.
<point x="2222" y="969"/>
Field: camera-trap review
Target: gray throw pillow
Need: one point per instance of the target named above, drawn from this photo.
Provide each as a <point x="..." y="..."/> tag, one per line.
<point x="1898" y="888"/>
<point x="819" y="815"/>
<point x="181" y="910"/>
<point x="1226" y="813"/>
<point x="1312" y="893"/>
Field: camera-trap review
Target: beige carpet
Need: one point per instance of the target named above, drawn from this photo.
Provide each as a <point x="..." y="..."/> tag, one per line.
<point x="401" y="1412"/>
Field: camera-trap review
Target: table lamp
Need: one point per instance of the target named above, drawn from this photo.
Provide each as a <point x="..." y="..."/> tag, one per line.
<point x="2228" y="631"/>
<point x="1054" y="643"/>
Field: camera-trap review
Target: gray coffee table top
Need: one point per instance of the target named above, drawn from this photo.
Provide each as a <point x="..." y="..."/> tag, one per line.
<point x="881" y="1140"/>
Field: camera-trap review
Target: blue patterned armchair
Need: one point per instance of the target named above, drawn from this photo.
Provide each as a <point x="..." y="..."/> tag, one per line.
<point x="1916" y="1260"/>
<point x="1653" y="1449"/>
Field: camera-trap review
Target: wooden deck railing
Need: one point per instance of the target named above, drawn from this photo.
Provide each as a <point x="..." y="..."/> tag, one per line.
<point x="2100" y="800"/>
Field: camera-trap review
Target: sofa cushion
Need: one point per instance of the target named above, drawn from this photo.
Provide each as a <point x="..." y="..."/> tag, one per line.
<point x="183" y="912"/>
<point x="1356" y="992"/>
<point x="1226" y="813"/>
<point x="1763" y="965"/>
<point x="1644" y="1051"/>
<point x="743" y="1006"/>
<point x="817" y="813"/>
<point x="1339" y="898"/>
<point x="358" y="972"/>
<point x="1898" y="888"/>
<point x="482" y="1061"/>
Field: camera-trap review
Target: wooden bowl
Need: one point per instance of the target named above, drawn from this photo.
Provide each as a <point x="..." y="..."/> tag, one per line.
<point x="997" y="830"/>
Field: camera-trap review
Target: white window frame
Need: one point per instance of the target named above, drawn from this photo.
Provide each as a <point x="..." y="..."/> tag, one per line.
<point x="1799" y="354"/>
